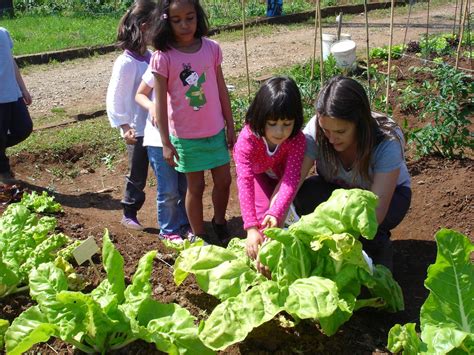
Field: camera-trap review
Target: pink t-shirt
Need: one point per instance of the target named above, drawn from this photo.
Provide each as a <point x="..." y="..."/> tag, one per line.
<point x="194" y="107"/>
<point x="252" y="158"/>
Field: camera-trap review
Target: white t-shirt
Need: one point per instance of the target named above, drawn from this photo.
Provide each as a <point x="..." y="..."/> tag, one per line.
<point x="152" y="136"/>
<point x="121" y="106"/>
<point x="9" y="88"/>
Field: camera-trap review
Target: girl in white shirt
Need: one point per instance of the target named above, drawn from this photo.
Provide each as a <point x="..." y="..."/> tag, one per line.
<point x="122" y="110"/>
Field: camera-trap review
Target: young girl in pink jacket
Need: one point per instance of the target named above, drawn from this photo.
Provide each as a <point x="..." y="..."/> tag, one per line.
<point x="268" y="157"/>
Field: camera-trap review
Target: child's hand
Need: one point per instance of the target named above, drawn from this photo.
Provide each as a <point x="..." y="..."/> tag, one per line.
<point x="26" y="97"/>
<point x="254" y="239"/>
<point x="230" y="133"/>
<point x="170" y="154"/>
<point x="129" y="134"/>
<point x="154" y="119"/>
<point x="269" y="222"/>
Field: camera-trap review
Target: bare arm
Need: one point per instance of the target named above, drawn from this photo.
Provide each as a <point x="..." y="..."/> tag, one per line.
<point x="383" y="186"/>
<point x="226" y="108"/>
<point x="142" y="98"/>
<point x="161" y="89"/>
<point x="308" y="163"/>
<point x="21" y="84"/>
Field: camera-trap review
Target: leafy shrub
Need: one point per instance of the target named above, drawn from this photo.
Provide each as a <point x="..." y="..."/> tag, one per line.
<point x="382" y="52"/>
<point x="446" y="317"/>
<point x="447" y="101"/>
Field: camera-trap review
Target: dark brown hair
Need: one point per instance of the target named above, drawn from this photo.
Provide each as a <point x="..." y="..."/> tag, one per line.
<point x="129" y="33"/>
<point x="277" y="99"/>
<point x="345" y="98"/>
<point x="161" y="34"/>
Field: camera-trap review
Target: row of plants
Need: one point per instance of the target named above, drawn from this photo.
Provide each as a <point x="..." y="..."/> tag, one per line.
<point x="318" y="270"/>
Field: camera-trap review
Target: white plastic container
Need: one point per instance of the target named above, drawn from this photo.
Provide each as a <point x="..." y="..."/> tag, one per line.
<point x="328" y="40"/>
<point x="345" y="53"/>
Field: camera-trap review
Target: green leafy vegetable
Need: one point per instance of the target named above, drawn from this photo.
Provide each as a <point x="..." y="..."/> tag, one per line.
<point x="447" y="316"/>
<point x="317" y="270"/>
<point x="108" y="318"/>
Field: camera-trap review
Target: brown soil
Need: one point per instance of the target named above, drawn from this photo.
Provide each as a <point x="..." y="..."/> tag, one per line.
<point x="443" y="194"/>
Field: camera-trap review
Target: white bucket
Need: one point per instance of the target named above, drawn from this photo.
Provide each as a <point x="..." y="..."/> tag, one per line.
<point x="345" y="53"/>
<point x="328" y="40"/>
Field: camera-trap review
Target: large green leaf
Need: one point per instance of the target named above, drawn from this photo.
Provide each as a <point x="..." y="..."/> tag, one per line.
<point x="233" y="319"/>
<point x="113" y="265"/>
<point x="346" y="211"/>
<point x="170" y="327"/>
<point x="219" y="272"/>
<point x="27" y="329"/>
<point x="4" y="324"/>
<point x="450" y="303"/>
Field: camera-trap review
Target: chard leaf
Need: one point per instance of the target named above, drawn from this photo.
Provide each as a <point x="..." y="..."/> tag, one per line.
<point x="4" y="324"/>
<point x="346" y="211"/>
<point x="345" y="307"/>
<point x="404" y="337"/>
<point x="8" y="279"/>
<point x="140" y="288"/>
<point x="113" y="265"/>
<point x="450" y="303"/>
<point x="312" y="297"/>
<point x="43" y="252"/>
<point x="170" y="327"/>
<point x="381" y="284"/>
<point x="230" y="323"/>
<point x="219" y="272"/>
<point x="287" y="257"/>
<point x="29" y="328"/>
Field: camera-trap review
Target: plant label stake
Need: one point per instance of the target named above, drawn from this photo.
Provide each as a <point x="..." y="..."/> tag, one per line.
<point x="85" y="251"/>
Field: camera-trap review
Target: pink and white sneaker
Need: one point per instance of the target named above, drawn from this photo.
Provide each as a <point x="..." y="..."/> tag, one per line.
<point x="173" y="238"/>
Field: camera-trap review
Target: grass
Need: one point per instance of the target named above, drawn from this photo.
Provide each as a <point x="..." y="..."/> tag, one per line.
<point x="40" y="33"/>
<point x="95" y="138"/>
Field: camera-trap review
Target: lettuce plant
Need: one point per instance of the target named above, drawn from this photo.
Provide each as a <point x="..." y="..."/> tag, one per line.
<point x="108" y="318"/>
<point x="447" y="316"/>
<point x="317" y="270"/>
<point x="24" y="243"/>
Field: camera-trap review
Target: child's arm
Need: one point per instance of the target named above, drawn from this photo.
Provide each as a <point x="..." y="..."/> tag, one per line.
<point x="142" y="98"/>
<point x="226" y="108"/>
<point x="21" y="84"/>
<point x="161" y="88"/>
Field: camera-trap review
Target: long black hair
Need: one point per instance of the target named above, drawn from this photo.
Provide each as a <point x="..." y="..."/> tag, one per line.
<point x="277" y="99"/>
<point x="129" y="33"/>
<point x="345" y="98"/>
<point x="161" y="34"/>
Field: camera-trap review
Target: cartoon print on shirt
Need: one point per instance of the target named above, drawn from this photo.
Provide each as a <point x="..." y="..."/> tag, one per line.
<point x="195" y="93"/>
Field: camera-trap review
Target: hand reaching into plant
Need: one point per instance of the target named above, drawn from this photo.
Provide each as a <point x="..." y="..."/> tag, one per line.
<point x="254" y="240"/>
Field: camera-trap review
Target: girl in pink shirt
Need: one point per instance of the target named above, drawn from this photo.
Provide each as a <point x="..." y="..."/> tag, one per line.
<point x="194" y="116"/>
<point x="268" y="157"/>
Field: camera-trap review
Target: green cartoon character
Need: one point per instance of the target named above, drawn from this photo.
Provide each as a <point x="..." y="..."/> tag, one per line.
<point x="195" y="93"/>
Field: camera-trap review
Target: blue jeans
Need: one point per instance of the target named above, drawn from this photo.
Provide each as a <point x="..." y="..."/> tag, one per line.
<point x="170" y="194"/>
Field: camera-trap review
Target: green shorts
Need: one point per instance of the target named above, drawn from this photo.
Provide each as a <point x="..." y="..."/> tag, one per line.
<point x="201" y="153"/>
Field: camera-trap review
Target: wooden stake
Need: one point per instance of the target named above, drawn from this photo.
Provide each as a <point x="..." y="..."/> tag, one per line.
<point x="313" y="58"/>
<point x="455" y="17"/>
<point x="368" y="46"/>
<point x="321" y="59"/>
<point x="461" y="32"/>
<point x="427" y="29"/>
<point x="389" y="54"/>
<point x="245" y="48"/>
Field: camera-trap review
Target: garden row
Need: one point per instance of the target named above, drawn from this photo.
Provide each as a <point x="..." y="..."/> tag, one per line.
<point x="318" y="272"/>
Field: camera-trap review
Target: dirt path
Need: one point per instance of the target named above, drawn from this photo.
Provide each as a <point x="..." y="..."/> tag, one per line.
<point x="79" y="86"/>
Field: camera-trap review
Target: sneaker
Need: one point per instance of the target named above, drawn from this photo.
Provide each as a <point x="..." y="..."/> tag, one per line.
<point x="210" y="239"/>
<point x="7" y="178"/>
<point x="173" y="238"/>
<point x="221" y="230"/>
<point x="131" y="223"/>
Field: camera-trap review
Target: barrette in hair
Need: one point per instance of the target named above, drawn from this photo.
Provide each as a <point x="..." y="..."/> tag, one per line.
<point x="163" y="16"/>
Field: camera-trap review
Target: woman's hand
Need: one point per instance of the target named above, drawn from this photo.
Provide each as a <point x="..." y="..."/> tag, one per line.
<point x="170" y="154"/>
<point x="254" y="239"/>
